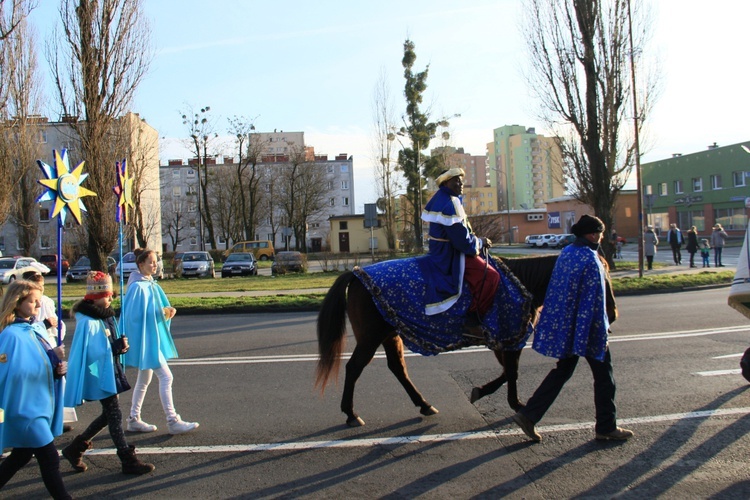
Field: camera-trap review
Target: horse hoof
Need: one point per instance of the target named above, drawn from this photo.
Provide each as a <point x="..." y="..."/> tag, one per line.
<point x="517" y="406"/>
<point x="476" y="395"/>
<point x="430" y="410"/>
<point x="355" y="422"/>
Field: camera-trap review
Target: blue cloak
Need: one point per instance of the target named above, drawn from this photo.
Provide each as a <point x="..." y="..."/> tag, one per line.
<point x="142" y="321"/>
<point x="30" y="395"/>
<point x="91" y="371"/>
<point x="450" y="241"/>
<point x="574" y="319"/>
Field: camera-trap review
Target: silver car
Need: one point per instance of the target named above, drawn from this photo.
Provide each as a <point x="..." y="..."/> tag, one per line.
<point x="196" y="265"/>
<point x="12" y="268"/>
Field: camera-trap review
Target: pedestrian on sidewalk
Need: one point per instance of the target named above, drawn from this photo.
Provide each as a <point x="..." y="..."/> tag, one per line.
<point x="574" y="323"/>
<point x="718" y="238"/>
<point x="705" y="252"/>
<point x="692" y="244"/>
<point x="650" y="241"/>
<point x="674" y="238"/>
<point x="96" y="374"/>
<point x="146" y="319"/>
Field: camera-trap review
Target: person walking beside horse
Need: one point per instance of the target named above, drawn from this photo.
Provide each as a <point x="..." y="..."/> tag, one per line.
<point x="454" y="255"/>
<point x="578" y="310"/>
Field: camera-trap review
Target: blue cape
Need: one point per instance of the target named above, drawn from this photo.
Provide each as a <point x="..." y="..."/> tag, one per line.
<point x="574" y="319"/>
<point x="30" y="395"/>
<point x="142" y="321"/>
<point x="91" y="371"/>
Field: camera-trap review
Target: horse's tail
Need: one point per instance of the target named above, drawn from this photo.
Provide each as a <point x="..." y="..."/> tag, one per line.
<point x="332" y="330"/>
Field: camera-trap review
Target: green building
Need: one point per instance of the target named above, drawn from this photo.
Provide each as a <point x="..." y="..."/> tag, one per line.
<point x="699" y="189"/>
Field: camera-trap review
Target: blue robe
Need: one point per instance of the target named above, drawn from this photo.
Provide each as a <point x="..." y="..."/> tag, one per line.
<point x="450" y="241"/>
<point x="574" y="319"/>
<point x="91" y="371"/>
<point x="29" y="393"/>
<point x="142" y="321"/>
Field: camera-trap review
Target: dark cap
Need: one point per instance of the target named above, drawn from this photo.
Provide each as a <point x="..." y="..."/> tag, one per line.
<point x="587" y="224"/>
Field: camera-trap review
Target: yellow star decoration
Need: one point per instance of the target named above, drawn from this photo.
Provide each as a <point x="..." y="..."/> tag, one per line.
<point x="64" y="186"/>
<point x="124" y="191"/>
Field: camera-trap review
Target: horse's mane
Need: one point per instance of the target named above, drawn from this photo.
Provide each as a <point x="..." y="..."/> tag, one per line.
<point x="534" y="273"/>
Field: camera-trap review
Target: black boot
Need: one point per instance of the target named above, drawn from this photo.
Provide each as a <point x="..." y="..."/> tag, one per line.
<point x="131" y="464"/>
<point x="473" y="326"/>
<point x="74" y="453"/>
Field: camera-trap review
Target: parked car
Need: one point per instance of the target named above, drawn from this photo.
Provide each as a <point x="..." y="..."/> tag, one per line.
<point x="50" y="260"/>
<point x="239" y="264"/>
<point x="128" y="265"/>
<point x="545" y="240"/>
<point x="564" y="240"/>
<point x="261" y="249"/>
<point x="532" y="239"/>
<point x="196" y="264"/>
<point x="79" y="270"/>
<point x="12" y="268"/>
<point x="287" y="262"/>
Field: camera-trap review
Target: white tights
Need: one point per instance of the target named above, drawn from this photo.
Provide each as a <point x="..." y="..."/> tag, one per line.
<point x="165" y="392"/>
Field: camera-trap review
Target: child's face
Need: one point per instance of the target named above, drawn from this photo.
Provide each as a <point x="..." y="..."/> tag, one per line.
<point x="104" y="302"/>
<point x="30" y="306"/>
<point x="148" y="266"/>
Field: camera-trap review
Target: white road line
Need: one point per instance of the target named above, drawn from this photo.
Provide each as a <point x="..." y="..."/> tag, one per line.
<point x="287" y="358"/>
<point x="727" y="356"/>
<point x="716" y="373"/>
<point x="420" y="439"/>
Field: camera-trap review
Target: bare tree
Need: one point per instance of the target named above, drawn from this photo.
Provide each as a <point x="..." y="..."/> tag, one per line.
<point x="201" y="132"/>
<point x="580" y="70"/>
<point x="98" y="59"/>
<point x="224" y="197"/>
<point x="386" y="177"/>
<point x="249" y="149"/>
<point x="173" y="217"/>
<point x="23" y="143"/>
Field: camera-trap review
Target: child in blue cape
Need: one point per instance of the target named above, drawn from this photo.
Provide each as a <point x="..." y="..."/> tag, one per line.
<point x="96" y="374"/>
<point x="146" y="319"/>
<point x="30" y="389"/>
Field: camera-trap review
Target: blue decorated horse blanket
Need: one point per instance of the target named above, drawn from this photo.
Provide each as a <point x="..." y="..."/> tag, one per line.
<point x="398" y="290"/>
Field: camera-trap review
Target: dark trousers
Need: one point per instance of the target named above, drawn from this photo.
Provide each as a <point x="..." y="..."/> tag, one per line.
<point x="111" y="416"/>
<point x="676" y="254"/>
<point x="604" y="391"/>
<point x="650" y="261"/>
<point x="717" y="256"/>
<point x="692" y="259"/>
<point x="49" y="465"/>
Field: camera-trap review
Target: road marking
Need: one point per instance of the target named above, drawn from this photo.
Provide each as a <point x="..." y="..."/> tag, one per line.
<point x="716" y="373"/>
<point x="419" y="439"/>
<point x="292" y="358"/>
<point x="726" y="356"/>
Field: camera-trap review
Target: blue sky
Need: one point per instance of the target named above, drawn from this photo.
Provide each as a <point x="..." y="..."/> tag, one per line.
<point x="312" y="66"/>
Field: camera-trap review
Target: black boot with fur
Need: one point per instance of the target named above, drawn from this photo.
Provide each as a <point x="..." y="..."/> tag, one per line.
<point x="131" y="464"/>
<point x="74" y="453"/>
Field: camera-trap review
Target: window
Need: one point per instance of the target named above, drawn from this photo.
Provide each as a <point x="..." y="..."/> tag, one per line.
<point x="43" y="136"/>
<point x="176" y="191"/>
<point x="191" y="224"/>
<point x="176" y="173"/>
<point x="332" y="202"/>
<point x="691" y="218"/>
<point x="329" y="185"/>
<point x="44" y="215"/>
<point x="345" y="201"/>
<point x="330" y="169"/>
<point x="716" y="181"/>
<point x="193" y="240"/>
<point x="315" y="225"/>
<point x="697" y="184"/>
<point x="190" y="173"/>
<point x="269" y="236"/>
<point x="344" y="168"/>
<point x="678" y="187"/>
<point x="2" y="242"/>
<point x="731" y="218"/>
<point x="221" y="240"/>
<point x="190" y="189"/>
<point x="44" y="242"/>
<point x="344" y="184"/>
<point x="738" y="179"/>
<point x="663" y="189"/>
<point x="343" y="225"/>
<point x="191" y="207"/>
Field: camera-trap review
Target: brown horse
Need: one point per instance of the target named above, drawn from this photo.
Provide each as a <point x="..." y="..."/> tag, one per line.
<point x="371" y="331"/>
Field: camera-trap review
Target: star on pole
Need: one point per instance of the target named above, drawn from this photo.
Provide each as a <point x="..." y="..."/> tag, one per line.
<point x="64" y="186"/>
<point x="124" y="191"/>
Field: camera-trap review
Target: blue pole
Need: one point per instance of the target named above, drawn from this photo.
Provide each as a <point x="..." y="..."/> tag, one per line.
<point x="59" y="280"/>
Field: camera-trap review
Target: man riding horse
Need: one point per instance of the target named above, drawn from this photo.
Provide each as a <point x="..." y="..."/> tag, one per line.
<point x="454" y="255"/>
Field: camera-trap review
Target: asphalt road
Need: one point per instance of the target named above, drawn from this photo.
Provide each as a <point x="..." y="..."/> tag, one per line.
<point x="265" y="433"/>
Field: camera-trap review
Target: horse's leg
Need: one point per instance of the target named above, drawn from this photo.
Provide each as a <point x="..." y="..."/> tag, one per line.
<point x="394" y="351"/>
<point x="361" y="357"/>
<point x="478" y="393"/>
<point x="510" y="365"/>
